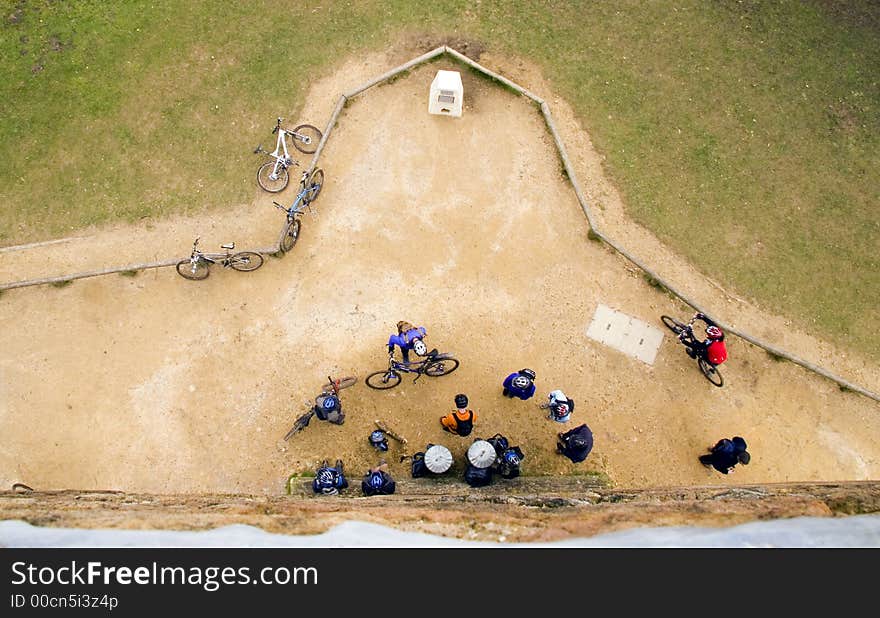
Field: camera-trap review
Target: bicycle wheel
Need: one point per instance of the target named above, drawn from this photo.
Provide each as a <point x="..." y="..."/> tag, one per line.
<point x="264" y="177"/>
<point x="306" y="138"/>
<point x="291" y="235"/>
<point x="315" y="183"/>
<point x="672" y="324"/>
<point x="246" y="261"/>
<point x="441" y="367"/>
<point x="301" y="423"/>
<point x="381" y="380"/>
<point x="196" y="271"/>
<point x="712" y="374"/>
<point x="341" y="383"/>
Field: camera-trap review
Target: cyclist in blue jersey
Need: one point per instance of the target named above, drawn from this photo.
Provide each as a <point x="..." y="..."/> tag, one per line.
<point x="520" y="384"/>
<point x="408" y="338"/>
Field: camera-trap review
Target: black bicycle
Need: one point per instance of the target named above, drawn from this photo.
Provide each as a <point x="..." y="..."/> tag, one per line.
<point x="434" y="364"/>
<point x="685" y="334"/>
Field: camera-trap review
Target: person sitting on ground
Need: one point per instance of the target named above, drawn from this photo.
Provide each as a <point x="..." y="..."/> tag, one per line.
<point x="434" y="460"/>
<point x="509" y="458"/>
<point x="377" y="481"/>
<point x="481" y="458"/>
<point x="575" y="444"/>
<point x="378" y="440"/>
<point x="520" y="384"/>
<point x="726" y="454"/>
<point x="328" y="407"/>
<point x="712" y="349"/>
<point x="460" y="421"/>
<point x="408" y="338"/>
<point x="329" y="481"/>
<point x="559" y="405"/>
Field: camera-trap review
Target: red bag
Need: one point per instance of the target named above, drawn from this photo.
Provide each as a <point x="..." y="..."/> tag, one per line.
<point x="716" y="353"/>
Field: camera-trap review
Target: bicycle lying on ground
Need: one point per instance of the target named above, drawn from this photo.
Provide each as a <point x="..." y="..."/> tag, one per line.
<point x="309" y="189"/>
<point x="434" y="365"/>
<point x="331" y="388"/>
<point x="685" y="334"/>
<point x="273" y="175"/>
<point x="199" y="264"/>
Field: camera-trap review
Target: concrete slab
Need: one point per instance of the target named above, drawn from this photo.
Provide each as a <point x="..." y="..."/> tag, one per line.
<point x="626" y="334"/>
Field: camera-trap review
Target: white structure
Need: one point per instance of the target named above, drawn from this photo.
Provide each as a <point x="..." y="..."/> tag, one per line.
<point x="625" y="334"/>
<point x="446" y="94"/>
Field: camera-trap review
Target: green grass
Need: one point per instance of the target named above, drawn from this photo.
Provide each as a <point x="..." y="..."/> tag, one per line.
<point x="745" y="134"/>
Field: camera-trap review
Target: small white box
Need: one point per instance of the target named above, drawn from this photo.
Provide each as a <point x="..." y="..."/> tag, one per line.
<point x="446" y="94"/>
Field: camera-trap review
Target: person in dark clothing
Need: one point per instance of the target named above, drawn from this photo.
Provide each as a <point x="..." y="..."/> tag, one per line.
<point x="576" y="443"/>
<point x="328" y="407"/>
<point x="509" y="457"/>
<point x="726" y="454"/>
<point x="329" y="481"/>
<point x="377" y="481"/>
<point x="477" y="477"/>
<point x="520" y="384"/>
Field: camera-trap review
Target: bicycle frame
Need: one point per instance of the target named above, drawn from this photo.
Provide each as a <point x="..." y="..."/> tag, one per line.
<point x="295" y="208"/>
<point x="211" y="258"/>
<point x="417" y="367"/>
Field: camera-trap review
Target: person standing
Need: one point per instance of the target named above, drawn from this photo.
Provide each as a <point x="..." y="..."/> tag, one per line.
<point x="575" y="444"/>
<point x="726" y="454"/>
<point x="520" y="384"/>
<point x="560" y="406"/>
<point x="461" y="420"/>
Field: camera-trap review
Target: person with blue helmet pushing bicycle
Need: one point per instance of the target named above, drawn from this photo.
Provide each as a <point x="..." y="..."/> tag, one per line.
<point x="408" y="338"/>
<point x="329" y="480"/>
<point x="377" y="481"/>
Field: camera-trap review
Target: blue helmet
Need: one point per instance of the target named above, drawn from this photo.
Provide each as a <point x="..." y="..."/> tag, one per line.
<point x="376" y="481"/>
<point x="511" y="458"/>
<point x="378" y="440"/>
<point x="330" y="402"/>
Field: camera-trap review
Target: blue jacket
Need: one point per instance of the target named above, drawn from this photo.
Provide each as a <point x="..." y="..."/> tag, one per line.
<point x="405" y="341"/>
<point x="518" y="392"/>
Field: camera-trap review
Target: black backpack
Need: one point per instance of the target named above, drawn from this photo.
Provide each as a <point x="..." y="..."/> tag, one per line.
<point x="419" y="469"/>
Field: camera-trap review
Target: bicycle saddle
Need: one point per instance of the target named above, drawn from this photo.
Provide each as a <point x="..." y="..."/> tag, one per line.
<point x="433" y="353"/>
<point x="230" y="246"/>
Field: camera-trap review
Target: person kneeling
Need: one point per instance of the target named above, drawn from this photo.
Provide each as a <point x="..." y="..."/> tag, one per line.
<point x="377" y="482"/>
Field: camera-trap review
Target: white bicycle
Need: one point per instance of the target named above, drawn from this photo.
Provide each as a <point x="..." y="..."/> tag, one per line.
<point x="273" y="175"/>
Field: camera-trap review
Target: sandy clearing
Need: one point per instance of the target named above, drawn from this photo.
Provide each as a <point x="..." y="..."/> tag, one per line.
<point x="154" y="383"/>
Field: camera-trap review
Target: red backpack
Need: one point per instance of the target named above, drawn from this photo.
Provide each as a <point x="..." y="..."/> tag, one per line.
<point x="716" y="353"/>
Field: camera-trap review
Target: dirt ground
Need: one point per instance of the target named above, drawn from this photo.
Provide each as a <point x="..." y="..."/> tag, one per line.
<point x="466" y="226"/>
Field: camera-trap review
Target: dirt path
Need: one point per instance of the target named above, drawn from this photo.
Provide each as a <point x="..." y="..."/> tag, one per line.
<point x="156" y="384"/>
